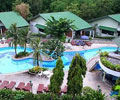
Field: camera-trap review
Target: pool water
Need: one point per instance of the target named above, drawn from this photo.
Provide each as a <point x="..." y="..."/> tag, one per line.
<point x="7" y="65"/>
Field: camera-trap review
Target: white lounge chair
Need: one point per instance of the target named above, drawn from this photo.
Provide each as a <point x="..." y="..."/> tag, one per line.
<point x="40" y="74"/>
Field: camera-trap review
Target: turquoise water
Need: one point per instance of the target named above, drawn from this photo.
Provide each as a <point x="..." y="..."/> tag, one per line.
<point x="7" y="65"/>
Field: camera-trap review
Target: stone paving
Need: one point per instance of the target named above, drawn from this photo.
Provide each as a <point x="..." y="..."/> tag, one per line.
<point x="92" y="79"/>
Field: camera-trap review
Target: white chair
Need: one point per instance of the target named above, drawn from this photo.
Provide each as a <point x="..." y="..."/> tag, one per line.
<point x="48" y="76"/>
<point x="40" y="74"/>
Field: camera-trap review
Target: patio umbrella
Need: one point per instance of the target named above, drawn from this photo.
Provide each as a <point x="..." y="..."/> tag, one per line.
<point x="84" y="37"/>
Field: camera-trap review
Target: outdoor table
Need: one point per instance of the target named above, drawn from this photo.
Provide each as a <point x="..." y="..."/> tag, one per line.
<point x="46" y="73"/>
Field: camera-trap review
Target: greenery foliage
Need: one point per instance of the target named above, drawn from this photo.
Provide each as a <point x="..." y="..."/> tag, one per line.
<point x="58" y="28"/>
<point x="13" y="32"/>
<point x="36" y="46"/>
<point x="110" y="38"/>
<point x="87" y="9"/>
<point x="6" y="94"/>
<point x="90" y="94"/>
<point x="77" y="71"/>
<point x="57" y="77"/>
<point x="37" y="69"/>
<point x="105" y="62"/>
<point x="24" y="37"/>
<point x="53" y="48"/>
<point x="104" y="54"/>
<point x="22" y="54"/>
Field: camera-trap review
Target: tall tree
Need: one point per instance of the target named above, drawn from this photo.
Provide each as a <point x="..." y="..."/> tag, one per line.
<point x="58" y="28"/>
<point x="77" y="71"/>
<point x="74" y="8"/>
<point x="57" y="77"/>
<point x="6" y="5"/>
<point x="24" y="37"/>
<point x="58" y="5"/>
<point x="36" y="46"/>
<point x="22" y="8"/>
<point x="54" y="48"/>
<point x="13" y="33"/>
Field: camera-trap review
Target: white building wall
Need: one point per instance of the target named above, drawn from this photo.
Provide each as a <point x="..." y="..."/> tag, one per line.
<point x="106" y="22"/>
<point x="38" y="20"/>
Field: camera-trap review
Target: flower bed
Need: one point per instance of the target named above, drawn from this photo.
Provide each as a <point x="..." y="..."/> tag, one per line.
<point x="108" y="64"/>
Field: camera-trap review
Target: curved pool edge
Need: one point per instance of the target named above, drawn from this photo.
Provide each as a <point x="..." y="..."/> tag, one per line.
<point x="65" y="65"/>
<point x="108" y="70"/>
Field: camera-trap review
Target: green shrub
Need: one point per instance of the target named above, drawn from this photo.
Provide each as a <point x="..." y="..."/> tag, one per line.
<point x="90" y="38"/>
<point x="110" y="38"/>
<point x="108" y="64"/>
<point x="66" y="97"/>
<point x="6" y="94"/>
<point x="104" y="54"/>
<point x="87" y="90"/>
<point x="68" y="40"/>
<point x="22" y="54"/>
<point x="35" y="69"/>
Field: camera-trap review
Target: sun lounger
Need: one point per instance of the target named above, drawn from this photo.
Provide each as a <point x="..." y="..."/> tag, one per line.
<point x="11" y="85"/>
<point x="27" y="87"/>
<point x="80" y="43"/>
<point x="7" y="41"/>
<point x="64" y="90"/>
<point x="88" y="43"/>
<point x="46" y="89"/>
<point x="4" y="84"/>
<point x="20" y="86"/>
<point x="73" y="42"/>
<point x="40" y="88"/>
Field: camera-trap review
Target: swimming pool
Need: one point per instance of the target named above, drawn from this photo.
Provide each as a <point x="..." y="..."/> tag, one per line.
<point x="7" y="65"/>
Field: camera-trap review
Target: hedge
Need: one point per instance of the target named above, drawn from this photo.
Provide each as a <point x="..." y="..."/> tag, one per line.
<point x="6" y="94"/>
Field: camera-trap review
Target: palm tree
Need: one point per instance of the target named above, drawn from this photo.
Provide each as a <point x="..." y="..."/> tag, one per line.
<point x="24" y="36"/>
<point x="36" y="45"/>
<point x="13" y="33"/>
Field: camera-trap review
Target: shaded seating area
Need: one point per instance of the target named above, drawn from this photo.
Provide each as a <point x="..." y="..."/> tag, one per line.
<point x="80" y="43"/>
<point x="28" y="87"/>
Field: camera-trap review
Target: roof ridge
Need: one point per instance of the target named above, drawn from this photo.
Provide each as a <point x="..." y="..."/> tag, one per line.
<point x="56" y="12"/>
<point x="7" y="12"/>
<point x="114" y="14"/>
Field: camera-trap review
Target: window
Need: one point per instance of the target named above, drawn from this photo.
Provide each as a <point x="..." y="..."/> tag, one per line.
<point x="108" y="32"/>
<point x="41" y="30"/>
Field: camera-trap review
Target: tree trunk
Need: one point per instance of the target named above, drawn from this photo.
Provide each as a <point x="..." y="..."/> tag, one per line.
<point x="15" y="49"/>
<point x="25" y="47"/>
<point x="37" y="60"/>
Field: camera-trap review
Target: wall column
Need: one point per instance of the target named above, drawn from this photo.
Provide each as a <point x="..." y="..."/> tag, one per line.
<point x="93" y="33"/>
<point x="73" y="34"/>
<point x="104" y="74"/>
<point x="90" y="33"/>
<point x="1" y="31"/>
<point x="81" y="32"/>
